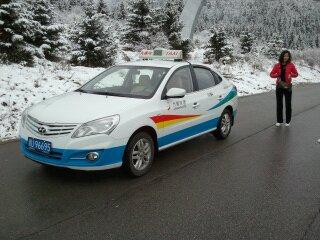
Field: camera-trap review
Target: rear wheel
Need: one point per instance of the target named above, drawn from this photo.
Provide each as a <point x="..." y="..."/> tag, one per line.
<point x="224" y="125"/>
<point x="139" y="154"/>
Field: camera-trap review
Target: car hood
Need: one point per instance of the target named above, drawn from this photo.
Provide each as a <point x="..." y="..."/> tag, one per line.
<point x="76" y="107"/>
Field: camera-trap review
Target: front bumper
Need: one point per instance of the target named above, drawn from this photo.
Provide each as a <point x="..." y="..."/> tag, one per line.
<point x="76" y="158"/>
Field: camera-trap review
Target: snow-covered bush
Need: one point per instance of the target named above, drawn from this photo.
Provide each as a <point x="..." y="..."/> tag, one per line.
<point x="310" y="56"/>
<point x="274" y="46"/>
<point x="246" y="42"/>
<point x="159" y="40"/>
<point x="258" y="66"/>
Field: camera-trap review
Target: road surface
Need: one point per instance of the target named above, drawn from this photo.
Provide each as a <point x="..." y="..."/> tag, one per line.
<point x="262" y="182"/>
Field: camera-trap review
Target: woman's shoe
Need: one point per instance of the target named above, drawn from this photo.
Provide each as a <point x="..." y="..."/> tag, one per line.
<point x="278" y="124"/>
<point x="287" y="124"/>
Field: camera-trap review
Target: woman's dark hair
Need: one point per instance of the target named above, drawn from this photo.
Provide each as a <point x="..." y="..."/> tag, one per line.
<point x="282" y="56"/>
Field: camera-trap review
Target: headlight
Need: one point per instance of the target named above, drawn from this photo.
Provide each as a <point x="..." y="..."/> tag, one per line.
<point x="99" y="126"/>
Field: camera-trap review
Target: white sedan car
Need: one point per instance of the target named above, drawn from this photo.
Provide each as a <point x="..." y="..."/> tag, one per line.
<point x="127" y="113"/>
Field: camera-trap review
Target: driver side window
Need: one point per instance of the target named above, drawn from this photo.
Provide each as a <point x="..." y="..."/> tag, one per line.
<point x="181" y="79"/>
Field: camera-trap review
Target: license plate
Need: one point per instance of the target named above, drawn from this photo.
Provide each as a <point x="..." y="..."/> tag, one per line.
<point x="39" y="145"/>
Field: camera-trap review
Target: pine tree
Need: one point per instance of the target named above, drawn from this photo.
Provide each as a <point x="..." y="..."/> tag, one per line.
<point x="158" y="19"/>
<point x="75" y="2"/>
<point x="172" y="27"/>
<point x="139" y="26"/>
<point x="246" y="42"/>
<point x="218" y="46"/>
<point x="317" y="41"/>
<point x="186" y="47"/>
<point x="274" y="46"/>
<point x="95" y="46"/>
<point x="264" y="18"/>
<point x="290" y="40"/>
<point x="158" y="38"/>
<point x="179" y="6"/>
<point x="102" y="8"/>
<point x="171" y="23"/>
<point x="16" y="32"/>
<point x="62" y="5"/>
<point x="122" y="12"/>
<point x="48" y="35"/>
<point x="298" y="43"/>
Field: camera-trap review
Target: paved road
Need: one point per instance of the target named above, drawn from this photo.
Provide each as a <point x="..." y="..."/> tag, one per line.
<point x="263" y="182"/>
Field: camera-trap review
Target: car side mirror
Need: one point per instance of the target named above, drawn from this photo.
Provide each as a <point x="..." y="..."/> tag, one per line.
<point x="176" y="93"/>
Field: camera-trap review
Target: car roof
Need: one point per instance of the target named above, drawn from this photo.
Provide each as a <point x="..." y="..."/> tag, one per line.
<point x="154" y="63"/>
<point x="165" y="64"/>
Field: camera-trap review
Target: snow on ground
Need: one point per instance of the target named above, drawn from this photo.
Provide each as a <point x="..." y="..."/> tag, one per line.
<point x="250" y="80"/>
<point x="21" y="87"/>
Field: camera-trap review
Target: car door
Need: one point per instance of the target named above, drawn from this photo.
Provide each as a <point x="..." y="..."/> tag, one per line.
<point x="180" y="116"/>
<point x="210" y="93"/>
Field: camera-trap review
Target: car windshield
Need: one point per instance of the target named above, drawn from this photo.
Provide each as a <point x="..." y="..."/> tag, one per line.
<point x="127" y="81"/>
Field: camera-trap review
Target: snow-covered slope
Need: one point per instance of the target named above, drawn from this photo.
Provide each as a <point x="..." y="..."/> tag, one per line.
<point x="298" y="22"/>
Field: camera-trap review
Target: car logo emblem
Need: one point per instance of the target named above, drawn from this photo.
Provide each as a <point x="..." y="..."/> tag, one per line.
<point x="42" y="130"/>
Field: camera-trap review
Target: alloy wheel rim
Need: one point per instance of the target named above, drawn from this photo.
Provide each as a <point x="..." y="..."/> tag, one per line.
<point x="225" y="124"/>
<point x="141" y="154"/>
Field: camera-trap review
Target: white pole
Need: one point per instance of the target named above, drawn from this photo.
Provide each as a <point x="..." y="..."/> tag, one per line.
<point x="189" y="17"/>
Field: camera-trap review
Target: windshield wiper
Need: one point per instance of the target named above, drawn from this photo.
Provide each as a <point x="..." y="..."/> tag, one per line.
<point x="102" y="93"/>
<point x="98" y="93"/>
<point x="81" y="90"/>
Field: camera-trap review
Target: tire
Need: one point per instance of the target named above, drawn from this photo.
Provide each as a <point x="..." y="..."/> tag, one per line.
<point x="224" y="125"/>
<point x="137" y="161"/>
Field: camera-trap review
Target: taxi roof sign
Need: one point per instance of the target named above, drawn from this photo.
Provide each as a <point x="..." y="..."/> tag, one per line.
<point x="161" y="54"/>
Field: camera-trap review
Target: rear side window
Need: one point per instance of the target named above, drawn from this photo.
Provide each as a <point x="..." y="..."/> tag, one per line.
<point x="204" y="77"/>
<point x="217" y="78"/>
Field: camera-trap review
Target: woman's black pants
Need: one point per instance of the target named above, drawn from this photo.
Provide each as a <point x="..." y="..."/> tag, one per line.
<point x="287" y="93"/>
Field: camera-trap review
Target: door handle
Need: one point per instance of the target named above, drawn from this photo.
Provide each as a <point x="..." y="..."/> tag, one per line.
<point x="196" y="105"/>
<point x="220" y="98"/>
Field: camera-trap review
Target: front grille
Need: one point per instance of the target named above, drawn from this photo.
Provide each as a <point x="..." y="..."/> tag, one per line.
<point x="50" y="129"/>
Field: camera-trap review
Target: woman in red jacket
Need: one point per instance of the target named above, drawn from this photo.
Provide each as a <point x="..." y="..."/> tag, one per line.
<point x="284" y="71"/>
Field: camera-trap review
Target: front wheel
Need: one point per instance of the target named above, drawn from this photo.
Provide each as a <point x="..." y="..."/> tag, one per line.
<point x="139" y="154"/>
<point x="224" y="125"/>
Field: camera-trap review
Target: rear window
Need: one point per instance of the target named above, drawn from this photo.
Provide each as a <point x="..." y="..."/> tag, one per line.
<point x="217" y="78"/>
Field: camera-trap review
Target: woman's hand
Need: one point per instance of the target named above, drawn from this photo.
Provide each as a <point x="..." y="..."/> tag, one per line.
<point x="275" y="73"/>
